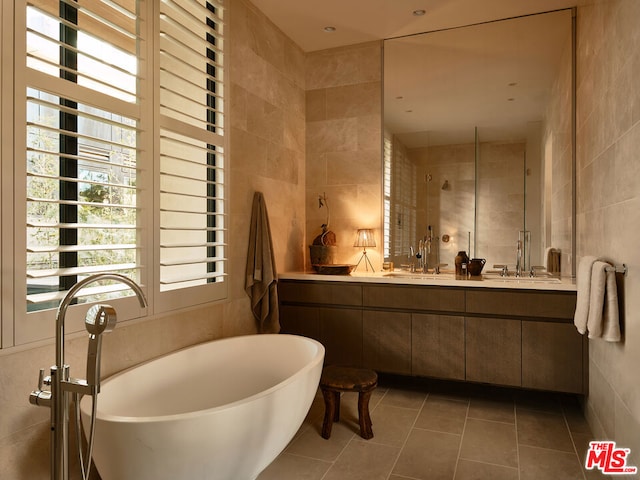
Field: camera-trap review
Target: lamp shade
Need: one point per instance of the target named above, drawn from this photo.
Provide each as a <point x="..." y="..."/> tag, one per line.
<point x="364" y="238"/>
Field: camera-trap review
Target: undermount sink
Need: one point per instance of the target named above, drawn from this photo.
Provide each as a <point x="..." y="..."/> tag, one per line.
<point x="498" y="278"/>
<point x="421" y="275"/>
<point x="487" y="276"/>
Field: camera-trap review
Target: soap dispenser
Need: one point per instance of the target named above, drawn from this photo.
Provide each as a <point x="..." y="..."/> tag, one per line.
<point x="461" y="262"/>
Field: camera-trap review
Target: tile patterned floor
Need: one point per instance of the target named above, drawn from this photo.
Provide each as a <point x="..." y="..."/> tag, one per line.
<point x="441" y="431"/>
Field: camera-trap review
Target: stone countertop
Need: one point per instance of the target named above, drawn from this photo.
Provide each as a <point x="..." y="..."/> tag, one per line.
<point x="444" y="279"/>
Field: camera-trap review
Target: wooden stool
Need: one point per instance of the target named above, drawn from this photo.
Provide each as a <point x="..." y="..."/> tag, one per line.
<point x="336" y="379"/>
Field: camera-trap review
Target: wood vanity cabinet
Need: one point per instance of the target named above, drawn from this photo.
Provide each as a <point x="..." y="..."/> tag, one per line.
<point x="512" y="337"/>
<point x="437" y="346"/>
<point x="387" y="341"/>
<point x="493" y="350"/>
<point x="323" y="311"/>
<point x="550" y="357"/>
<point x="341" y="332"/>
<point x="550" y="351"/>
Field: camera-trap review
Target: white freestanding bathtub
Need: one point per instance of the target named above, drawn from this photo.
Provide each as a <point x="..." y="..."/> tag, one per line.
<point x="219" y="410"/>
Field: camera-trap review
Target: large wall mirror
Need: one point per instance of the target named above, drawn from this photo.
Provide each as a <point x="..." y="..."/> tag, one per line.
<point x="478" y="132"/>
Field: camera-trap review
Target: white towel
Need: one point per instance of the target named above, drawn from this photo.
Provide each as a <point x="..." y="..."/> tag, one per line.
<point x="604" y="320"/>
<point x="611" y="327"/>
<point x="581" y="315"/>
<point x="596" y="298"/>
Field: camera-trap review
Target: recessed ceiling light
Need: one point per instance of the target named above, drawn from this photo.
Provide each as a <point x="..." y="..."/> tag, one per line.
<point x="419" y="13"/>
<point x="399" y="97"/>
<point x="513" y="84"/>
<point x="409" y="111"/>
<point x="329" y="29"/>
<point x="510" y="99"/>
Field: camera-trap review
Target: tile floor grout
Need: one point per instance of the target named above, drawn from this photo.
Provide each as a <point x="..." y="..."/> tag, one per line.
<point x="515" y="423"/>
<point x="404" y="443"/>
<point x="466" y="418"/>
<point x="400" y="452"/>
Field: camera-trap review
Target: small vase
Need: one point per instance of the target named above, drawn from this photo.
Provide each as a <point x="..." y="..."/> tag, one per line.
<point x="322" y="254"/>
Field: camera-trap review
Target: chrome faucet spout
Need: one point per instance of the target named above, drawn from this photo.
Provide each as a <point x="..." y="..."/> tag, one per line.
<point x="519" y="258"/>
<point x="68" y="298"/>
<point x="99" y="319"/>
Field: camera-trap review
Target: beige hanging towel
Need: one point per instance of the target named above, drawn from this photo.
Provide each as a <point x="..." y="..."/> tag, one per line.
<point x="260" y="274"/>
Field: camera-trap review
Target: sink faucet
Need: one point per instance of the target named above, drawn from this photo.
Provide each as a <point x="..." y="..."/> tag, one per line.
<point x="504" y="270"/>
<point x="100" y="318"/>
<point x="411" y="258"/>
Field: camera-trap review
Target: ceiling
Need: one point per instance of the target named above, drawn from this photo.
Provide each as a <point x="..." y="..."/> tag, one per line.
<point x="471" y="88"/>
<point x="358" y="21"/>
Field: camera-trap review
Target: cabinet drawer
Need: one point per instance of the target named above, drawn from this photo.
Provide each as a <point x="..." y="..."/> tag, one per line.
<point x="559" y="305"/>
<point x="414" y="298"/>
<point x="336" y="293"/>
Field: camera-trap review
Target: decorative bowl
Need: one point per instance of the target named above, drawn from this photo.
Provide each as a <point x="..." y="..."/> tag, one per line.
<point x="333" y="269"/>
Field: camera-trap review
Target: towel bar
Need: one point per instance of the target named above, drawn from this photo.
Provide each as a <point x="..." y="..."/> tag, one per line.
<point x="618" y="269"/>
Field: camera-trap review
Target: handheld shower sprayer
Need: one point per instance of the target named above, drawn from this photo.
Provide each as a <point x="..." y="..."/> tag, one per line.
<point x="99" y="319"/>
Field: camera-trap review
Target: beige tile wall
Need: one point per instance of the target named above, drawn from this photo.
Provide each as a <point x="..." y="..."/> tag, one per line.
<point x="557" y="145"/>
<point x="451" y="211"/>
<point x="609" y="200"/>
<point x="500" y="201"/>
<point x="272" y="84"/>
<point x="344" y="136"/>
<point x="267" y="154"/>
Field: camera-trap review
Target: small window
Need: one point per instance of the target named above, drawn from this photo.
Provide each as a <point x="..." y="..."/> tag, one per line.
<point x="82" y="151"/>
<point x="192" y="200"/>
<point x="119" y="162"/>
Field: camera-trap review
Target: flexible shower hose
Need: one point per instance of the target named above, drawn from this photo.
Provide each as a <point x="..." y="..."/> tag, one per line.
<point x="92" y="428"/>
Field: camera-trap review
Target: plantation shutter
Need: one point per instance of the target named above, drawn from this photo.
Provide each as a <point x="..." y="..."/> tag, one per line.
<point x="191" y="190"/>
<point x="82" y="148"/>
<point x="386" y="195"/>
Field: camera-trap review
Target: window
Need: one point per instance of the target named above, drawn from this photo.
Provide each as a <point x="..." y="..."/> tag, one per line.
<point x="191" y="151"/>
<point x="386" y="195"/>
<point x="403" y="200"/>
<point x="120" y="163"/>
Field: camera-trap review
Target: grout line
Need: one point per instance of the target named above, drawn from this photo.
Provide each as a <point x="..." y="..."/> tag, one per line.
<point x="333" y="463"/>
<point x="575" y="448"/>
<point x="464" y="428"/>
<point x="404" y="444"/>
<point x="438" y="431"/>
<point x="515" y="419"/>
<point x="488" y="420"/>
<point x="307" y="457"/>
<point x="548" y="449"/>
<point x="413" y="428"/>
<point x="489" y="463"/>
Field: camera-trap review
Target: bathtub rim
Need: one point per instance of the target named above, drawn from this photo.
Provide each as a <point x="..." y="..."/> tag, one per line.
<point x="85" y="403"/>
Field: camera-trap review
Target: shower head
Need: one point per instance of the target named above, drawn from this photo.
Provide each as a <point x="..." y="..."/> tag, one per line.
<point x="100" y="319"/>
<point x="445" y="185"/>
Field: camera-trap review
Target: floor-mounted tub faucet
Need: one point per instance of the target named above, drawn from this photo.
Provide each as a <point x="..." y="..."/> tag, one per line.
<point x="99" y="319"/>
